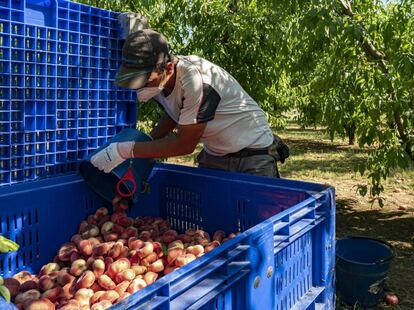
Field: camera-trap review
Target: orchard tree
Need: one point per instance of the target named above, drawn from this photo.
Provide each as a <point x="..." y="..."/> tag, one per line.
<point x="348" y="66"/>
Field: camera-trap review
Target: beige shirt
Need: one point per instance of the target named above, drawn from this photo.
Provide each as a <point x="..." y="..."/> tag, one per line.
<point x="205" y="92"/>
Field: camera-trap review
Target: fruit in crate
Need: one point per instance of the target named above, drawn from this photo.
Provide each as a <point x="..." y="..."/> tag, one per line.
<point x="111" y="257"/>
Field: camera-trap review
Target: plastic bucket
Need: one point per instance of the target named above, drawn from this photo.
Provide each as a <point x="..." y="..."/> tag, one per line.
<point x="362" y="266"/>
<point x="104" y="184"/>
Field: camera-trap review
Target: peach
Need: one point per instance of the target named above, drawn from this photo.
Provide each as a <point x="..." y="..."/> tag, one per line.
<point x="110" y="295"/>
<point x="111" y="237"/>
<point x="201" y="234"/>
<point x="173" y="253"/>
<point x="136" y="285"/>
<point x="53" y="294"/>
<point x="122" y="287"/>
<point x="149" y="259"/>
<point x="211" y="246"/>
<point x="156" y="266"/>
<point x="169" y="236"/>
<point x="40" y="304"/>
<point x="129" y="232"/>
<point x="27" y="296"/>
<point x="23" y="276"/>
<point x="139" y="269"/>
<point x="78" y="267"/>
<point x="116" y="249"/>
<point x="197" y="250"/>
<point x="107" y="228"/>
<point x="118" y="266"/>
<point x="101" y="212"/>
<point x="134" y="258"/>
<point x="68" y="290"/>
<point x="98" y="267"/>
<point x="48" y="268"/>
<point x="85" y="247"/>
<point x="231" y="236"/>
<point x="118" y="229"/>
<point x="76" y="239"/>
<point x="94" y="241"/>
<point x="176" y="244"/>
<point x="101" y="249"/>
<point x="85" y="280"/>
<point x="12" y="285"/>
<point x="145" y="235"/>
<point x="96" y="297"/>
<point x="168" y="269"/>
<point x="184" y="259"/>
<point x="145" y="250"/>
<point x="190" y="232"/>
<point x="83" y="296"/>
<point x="92" y="220"/>
<point x="29" y="285"/>
<point x="46" y="283"/>
<point x="150" y="277"/>
<point x="102" y="305"/>
<point x="82" y="227"/>
<point x="185" y="238"/>
<point x="123" y="296"/>
<point x="103" y="220"/>
<point x="124" y="253"/>
<point x="219" y="236"/>
<point x="135" y="244"/>
<point x="74" y="256"/>
<point x="66" y="251"/>
<point x="125" y="275"/>
<point x="96" y="287"/>
<point x="108" y="261"/>
<point x="124" y="220"/>
<point x="90" y="231"/>
<point x="106" y="282"/>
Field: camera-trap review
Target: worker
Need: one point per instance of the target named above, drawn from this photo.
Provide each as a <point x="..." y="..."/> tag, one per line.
<point x="202" y="102"/>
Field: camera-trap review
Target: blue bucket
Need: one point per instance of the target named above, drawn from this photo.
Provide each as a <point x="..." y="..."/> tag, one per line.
<point x="103" y="183"/>
<point x="362" y="266"/>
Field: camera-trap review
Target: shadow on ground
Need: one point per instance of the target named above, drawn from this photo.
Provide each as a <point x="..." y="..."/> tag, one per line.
<point x="396" y="227"/>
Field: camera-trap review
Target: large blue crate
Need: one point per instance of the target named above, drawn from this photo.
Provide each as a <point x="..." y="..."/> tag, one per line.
<point x="283" y="259"/>
<point x="58" y="101"/>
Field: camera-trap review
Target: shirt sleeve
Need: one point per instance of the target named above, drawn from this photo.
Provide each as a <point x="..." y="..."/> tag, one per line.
<point x="192" y="85"/>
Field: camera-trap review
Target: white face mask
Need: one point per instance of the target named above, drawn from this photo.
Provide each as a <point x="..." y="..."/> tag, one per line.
<point x="146" y="93"/>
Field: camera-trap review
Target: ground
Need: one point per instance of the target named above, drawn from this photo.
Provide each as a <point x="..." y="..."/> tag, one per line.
<point x="314" y="157"/>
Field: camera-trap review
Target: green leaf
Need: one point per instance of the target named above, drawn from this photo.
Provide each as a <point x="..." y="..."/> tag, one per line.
<point x="7" y="245"/>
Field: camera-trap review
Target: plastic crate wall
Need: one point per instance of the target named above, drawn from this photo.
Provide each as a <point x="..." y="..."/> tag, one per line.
<point x="58" y="101"/>
<point x="283" y="259"/>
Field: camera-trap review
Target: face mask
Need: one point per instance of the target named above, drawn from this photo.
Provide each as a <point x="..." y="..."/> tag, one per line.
<point x="146" y="93"/>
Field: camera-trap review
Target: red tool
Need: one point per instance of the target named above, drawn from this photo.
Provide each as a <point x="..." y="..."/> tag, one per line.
<point x="128" y="177"/>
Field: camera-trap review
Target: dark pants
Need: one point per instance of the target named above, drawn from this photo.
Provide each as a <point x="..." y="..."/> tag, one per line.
<point x="262" y="165"/>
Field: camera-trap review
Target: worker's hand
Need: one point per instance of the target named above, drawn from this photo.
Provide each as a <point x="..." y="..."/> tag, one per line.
<point x="113" y="155"/>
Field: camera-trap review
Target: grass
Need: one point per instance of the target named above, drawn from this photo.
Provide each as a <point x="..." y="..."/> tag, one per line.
<point x="314" y="157"/>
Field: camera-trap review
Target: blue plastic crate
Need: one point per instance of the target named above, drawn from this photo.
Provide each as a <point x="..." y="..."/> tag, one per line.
<point x="58" y="101"/>
<point x="283" y="259"/>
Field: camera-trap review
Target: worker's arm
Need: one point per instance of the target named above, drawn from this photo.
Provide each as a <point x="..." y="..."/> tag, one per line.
<point x="164" y="126"/>
<point x="183" y="143"/>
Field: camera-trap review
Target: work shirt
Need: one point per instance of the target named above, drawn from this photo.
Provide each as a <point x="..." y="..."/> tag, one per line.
<point x="206" y="93"/>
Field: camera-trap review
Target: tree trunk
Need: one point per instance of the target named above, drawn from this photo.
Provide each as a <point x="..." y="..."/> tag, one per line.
<point x="350" y="132"/>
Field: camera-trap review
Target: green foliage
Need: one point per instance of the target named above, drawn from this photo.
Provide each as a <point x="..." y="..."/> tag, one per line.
<point x="348" y="66"/>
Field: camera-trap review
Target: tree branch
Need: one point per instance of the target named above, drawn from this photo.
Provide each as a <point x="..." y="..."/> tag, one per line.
<point x="371" y="50"/>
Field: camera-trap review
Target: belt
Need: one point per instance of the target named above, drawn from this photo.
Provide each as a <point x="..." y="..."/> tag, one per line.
<point x="248" y="153"/>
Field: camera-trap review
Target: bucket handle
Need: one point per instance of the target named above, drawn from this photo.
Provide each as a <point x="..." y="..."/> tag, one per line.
<point x="128" y="177"/>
